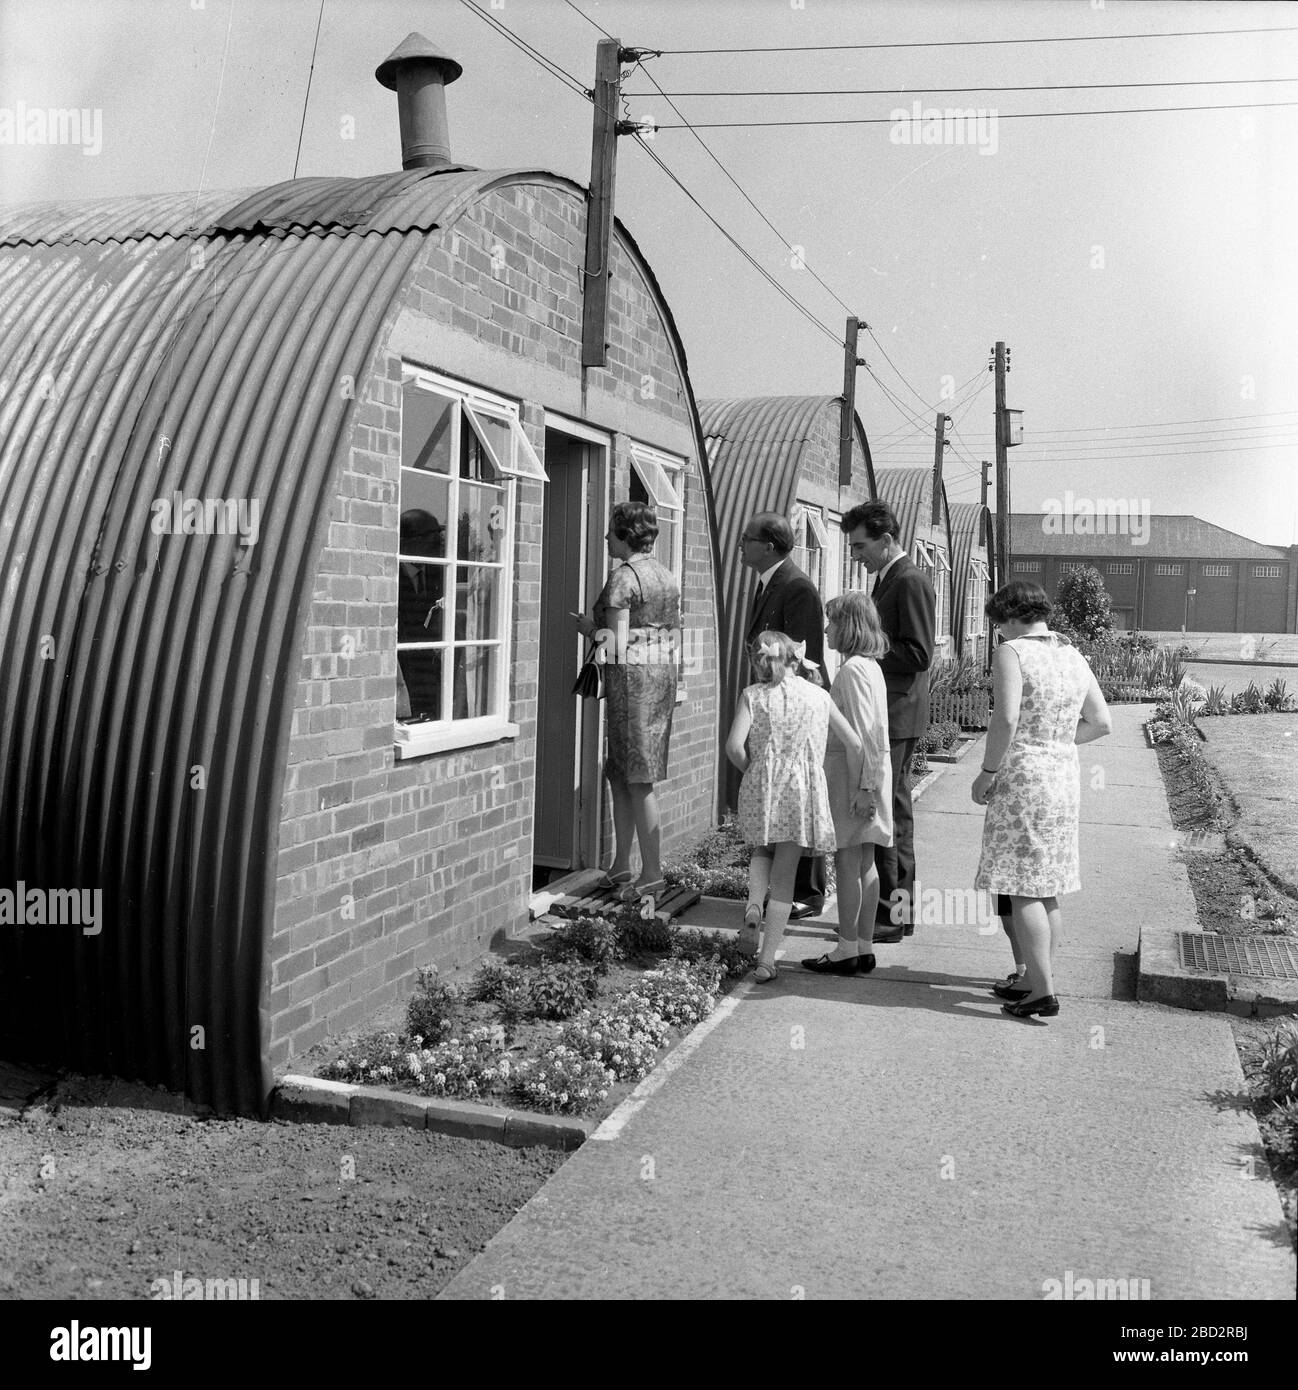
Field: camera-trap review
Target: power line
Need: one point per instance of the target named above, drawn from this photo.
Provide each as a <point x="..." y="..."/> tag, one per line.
<point x="999" y="115"/>
<point x="588" y="19"/>
<point x="569" y="81"/>
<point x="977" y="43"/>
<point x="1159" y="424"/>
<point x="761" y="269"/>
<point x="307" y="99"/>
<point x="927" y="91"/>
<point x="1127" y="457"/>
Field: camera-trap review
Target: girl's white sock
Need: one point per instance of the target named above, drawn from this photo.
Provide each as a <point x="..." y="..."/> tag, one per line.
<point x="759" y="880"/>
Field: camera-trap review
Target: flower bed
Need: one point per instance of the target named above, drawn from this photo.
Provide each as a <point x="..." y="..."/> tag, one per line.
<point x="589" y="1006"/>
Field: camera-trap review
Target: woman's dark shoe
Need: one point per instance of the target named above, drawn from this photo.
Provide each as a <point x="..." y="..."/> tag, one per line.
<point x="864" y="963"/>
<point x="822" y="965"/>
<point x="1009" y="991"/>
<point x="1047" y="1006"/>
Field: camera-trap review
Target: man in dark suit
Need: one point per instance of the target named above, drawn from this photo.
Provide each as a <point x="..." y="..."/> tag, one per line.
<point x="787" y="601"/>
<point x="907" y="609"/>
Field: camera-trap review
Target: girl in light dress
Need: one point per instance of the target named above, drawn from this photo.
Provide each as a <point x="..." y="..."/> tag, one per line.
<point x="778" y="741"/>
<point x="860" y="787"/>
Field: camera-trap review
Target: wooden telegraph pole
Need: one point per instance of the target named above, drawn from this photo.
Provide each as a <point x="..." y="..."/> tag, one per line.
<point x="850" y="363"/>
<point x="599" y="211"/>
<point x="939" y="449"/>
<point x="1002" y="472"/>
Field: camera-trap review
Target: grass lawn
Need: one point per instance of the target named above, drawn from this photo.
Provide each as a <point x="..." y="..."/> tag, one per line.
<point x="1256" y="756"/>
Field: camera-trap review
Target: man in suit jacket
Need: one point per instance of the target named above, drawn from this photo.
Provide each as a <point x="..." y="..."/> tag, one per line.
<point x="786" y="601"/>
<point x="907" y="609"/>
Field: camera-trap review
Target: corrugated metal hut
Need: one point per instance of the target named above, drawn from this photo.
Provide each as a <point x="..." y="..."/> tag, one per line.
<point x="926" y="537"/>
<point x="780" y="454"/>
<point x="287" y="669"/>
<point x="973" y="551"/>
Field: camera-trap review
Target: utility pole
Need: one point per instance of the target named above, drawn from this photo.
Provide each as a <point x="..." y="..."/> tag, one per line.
<point x="1002" y="471"/>
<point x="982" y="499"/>
<point x="606" y="97"/>
<point x="850" y="363"/>
<point x="939" y="448"/>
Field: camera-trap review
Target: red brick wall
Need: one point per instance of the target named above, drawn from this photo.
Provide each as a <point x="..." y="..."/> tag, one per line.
<point x="386" y="865"/>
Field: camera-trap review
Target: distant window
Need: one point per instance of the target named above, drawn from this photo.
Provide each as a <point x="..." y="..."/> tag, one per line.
<point x="1266" y="571"/>
<point x="1068" y="566"/>
<point x="941" y="593"/>
<point x="1217" y="571"/>
<point x="1164" y="571"/>
<point x="1027" y="566"/>
<point x="1122" y="567"/>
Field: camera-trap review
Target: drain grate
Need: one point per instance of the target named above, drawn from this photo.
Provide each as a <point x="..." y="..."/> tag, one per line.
<point x="1233" y="955"/>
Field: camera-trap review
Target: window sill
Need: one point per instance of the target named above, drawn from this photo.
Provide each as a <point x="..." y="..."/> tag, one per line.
<point x="467" y="733"/>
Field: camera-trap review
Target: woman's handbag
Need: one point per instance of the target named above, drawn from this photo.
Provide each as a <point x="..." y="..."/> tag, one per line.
<point x="590" y="679"/>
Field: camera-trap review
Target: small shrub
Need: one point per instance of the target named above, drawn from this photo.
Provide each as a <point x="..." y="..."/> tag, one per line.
<point x="592" y="939"/>
<point x="1276" y="1060"/>
<point x="1277" y="695"/>
<point x="513" y="1003"/>
<point x="1083" y="603"/>
<point x="615" y="1040"/>
<point x="466" y="1067"/>
<point x="434" y="1007"/>
<point x="729" y="882"/>
<point x="1215" y="701"/>
<point x="918" y="764"/>
<point x="641" y="936"/>
<point x="684" y="874"/>
<point x="1250" y="700"/>
<point x="492" y="979"/>
<point x="561" y="1080"/>
<point x="559" y="989"/>
<point x="681" y="992"/>
<point x="378" y="1058"/>
<point x="691" y="944"/>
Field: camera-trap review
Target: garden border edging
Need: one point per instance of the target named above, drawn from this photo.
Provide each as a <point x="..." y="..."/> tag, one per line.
<point x="313" y="1100"/>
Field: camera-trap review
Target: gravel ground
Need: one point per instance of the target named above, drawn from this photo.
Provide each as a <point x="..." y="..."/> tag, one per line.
<point x="107" y="1187"/>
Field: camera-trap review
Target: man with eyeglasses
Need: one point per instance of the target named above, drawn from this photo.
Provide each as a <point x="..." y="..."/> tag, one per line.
<point x="787" y="601"/>
<point x="907" y="608"/>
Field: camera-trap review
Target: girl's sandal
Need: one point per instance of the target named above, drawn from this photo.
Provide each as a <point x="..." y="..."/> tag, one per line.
<point x="607" y="881"/>
<point x="634" y="892"/>
<point x="765" y="973"/>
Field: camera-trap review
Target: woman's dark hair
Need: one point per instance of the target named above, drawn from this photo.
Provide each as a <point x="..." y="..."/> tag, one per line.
<point x="1019" y="601"/>
<point x="636" y="524"/>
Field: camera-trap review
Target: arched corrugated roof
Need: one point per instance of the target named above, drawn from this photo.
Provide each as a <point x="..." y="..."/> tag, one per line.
<point x="757" y="449"/>
<point x="909" y="492"/>
<point x="970" y="530"/>
<point x="149" y="679"/>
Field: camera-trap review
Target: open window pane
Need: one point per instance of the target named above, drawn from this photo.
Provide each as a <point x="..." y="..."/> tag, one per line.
<point x="427" y="429"/>
<point x="485" y="446"/>
<point x="658" y="482"/>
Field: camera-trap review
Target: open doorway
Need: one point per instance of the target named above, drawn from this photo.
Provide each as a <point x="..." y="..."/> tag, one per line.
<point x="569" y="788"/>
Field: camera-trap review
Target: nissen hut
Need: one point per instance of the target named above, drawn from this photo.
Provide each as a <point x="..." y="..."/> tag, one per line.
<point x="781" y="454"/>
<point x="973" y="551"/>
<point x="299" y="485"/>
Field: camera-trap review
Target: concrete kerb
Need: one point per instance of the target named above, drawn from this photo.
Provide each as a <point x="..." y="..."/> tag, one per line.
<point x="310" y="1100"/>
<point x="1162" y="979"/>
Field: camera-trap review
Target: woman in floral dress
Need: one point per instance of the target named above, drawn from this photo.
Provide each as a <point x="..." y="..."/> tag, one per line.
<point x="1047" y="702"/>
<point x="638" y="611"/>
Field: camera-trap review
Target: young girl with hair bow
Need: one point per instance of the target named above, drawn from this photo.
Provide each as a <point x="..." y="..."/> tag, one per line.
<point x="778" y="742"/>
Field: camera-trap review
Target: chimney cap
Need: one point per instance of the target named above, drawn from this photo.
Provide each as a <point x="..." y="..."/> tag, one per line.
<point x="416" y="48"/>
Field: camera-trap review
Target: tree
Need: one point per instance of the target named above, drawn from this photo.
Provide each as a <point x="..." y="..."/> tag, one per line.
<point x="1082" y="604"/>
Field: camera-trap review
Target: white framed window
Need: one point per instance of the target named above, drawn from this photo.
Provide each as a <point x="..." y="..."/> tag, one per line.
<point x="976" y="598"/>
<point x="924" y="557"/>
<point x="834" y="546"/>
<point x="1164" y="571"/>
<point x="1122" y="567"/>
<point x="810" y="543"/>
<point x="1266" y="571"/>
<point x="462" y="450"/>
<point x="1071" y="566"/>
<point x="1218" y="571"/>
<point x="942" y="593"/>
<point x="658" y="480"/>
<point x="1027" y="566"/>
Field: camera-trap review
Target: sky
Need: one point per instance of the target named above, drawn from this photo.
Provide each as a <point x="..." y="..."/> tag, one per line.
<point x="1140" y="267"/>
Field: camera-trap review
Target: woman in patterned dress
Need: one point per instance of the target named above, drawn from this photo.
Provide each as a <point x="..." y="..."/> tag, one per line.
<point x="777" y="741"/>
<point x="638" y="612"/>
<point x="1047" y="702"/>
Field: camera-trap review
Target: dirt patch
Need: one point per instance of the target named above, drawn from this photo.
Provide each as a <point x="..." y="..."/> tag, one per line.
<point x="1233" y="894"/>
<point x="109" y="1188"/>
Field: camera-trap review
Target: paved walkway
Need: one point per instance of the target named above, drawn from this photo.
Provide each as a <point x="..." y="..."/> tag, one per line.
<point x="896" y="1136"/>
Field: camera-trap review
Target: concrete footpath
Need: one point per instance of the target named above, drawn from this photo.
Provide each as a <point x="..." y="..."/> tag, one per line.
<point x="897" y="1136"/>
